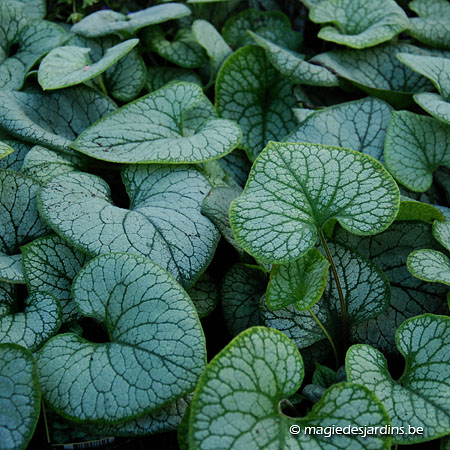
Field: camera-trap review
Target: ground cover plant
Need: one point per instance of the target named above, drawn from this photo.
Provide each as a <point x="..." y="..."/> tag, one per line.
<point x="225" y="224"/>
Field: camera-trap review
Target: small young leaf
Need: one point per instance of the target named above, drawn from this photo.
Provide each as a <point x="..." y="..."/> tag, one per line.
<point x="5" y="150"/>
<point x="420" y="397"/>
<point x="300" y="283"/>
<point x="413" y="210"/>
<point x="294" y="189"/>
<point x="154" y="129"/>
<point x="20" y="398"/>
<point x="429" y="265"/>
<point x="324" y="376"/>
<point x="415" y="147"/>
<point x="237" y="400"/>
<point x="156" y="350"/>
<point x="359" y="24"/>
<point x="71" y="65"/>
<point x="251" y="92"/>
<point x="360" y="125"/>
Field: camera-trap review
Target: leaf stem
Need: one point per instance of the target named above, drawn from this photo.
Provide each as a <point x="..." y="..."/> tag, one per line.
<point x="325" y="332"/>
<point x="338" y="286"/>
<point x="44" y="415"/>
<point x="102" y="85"/>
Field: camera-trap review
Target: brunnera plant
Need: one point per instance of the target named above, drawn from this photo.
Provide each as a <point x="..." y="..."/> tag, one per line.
<point x="225" y="223"/>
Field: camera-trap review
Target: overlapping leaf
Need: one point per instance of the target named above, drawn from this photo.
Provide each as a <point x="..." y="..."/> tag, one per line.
<point x="158" y="76"/>
<point x="5" y="150"/>
<point x="420" y="397"/>
<point x="155" y="129"/>
<point x="164" y="221"/>
<point x="294" y="189"/>
<point x="14" y="160"/>
<point x="237" y="400"/>
<point x="156" y="350"/>
<point x="205" y="295"/>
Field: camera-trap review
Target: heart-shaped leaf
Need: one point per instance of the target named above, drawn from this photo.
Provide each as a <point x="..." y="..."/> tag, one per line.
<point x="292" y="65"/>
<point x="432" y="25"/>
<point x="420" y="397"/>
<point x="237" y="403"/>
<point x="409" y="296"/>
<point x="103" y="23"/>
<point x="360" y="125"/>
<point x="359" y="24"/>
<point x="251" y="92"/>
<point x="50" y="265"/>
<point x="19" y="222"/>
<point x="318" y="183"/>
<point x="20" y="397"/>
<point x="164" y="221"/>
<point x="71" y="65"/>
<point x="52" y="119"/>
<point x="31" y="328"/>
<point x="160" y="130"/>
<point x="377" y="71"/>
<point x="156" y="350"/>
<point x="300" y="283"/>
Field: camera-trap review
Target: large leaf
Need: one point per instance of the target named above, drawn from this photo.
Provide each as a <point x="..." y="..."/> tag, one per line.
<point x="102" y="23"/>
<point x="35" y="8"/>
<point x="164" y="221"/>
<point x="52" y="119"/>
<point x="300" y="283"/>
<point x="156" y="350"/>
<point x="359" y="24"/>
<point x="377" y="71"/>
<point x="432" y="26"/>
<point x="409" y="296"/>
<point x="251" y="92"/>
<point x="70" y="65"/>
<point x="237" y="401"/>
<point x="50" y="265"/>
<point x="20" y="397"/>
<point x="415" y="147"/>
<point x="31" y="328"/>
<point x="360" y="125"/>
<point x="154" y="129"/>
<point x="19" y="222"/>
<point x="294" y="189"/>
<point x="33" y="39"/>
<point x="421" y="396"/>
<point x="292" y="65"/>
<point x="366" y="295"/>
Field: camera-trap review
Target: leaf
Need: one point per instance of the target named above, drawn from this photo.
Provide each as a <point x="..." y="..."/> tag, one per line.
<point x="70" y="65"/>
<point x="5" y="149"/>
<point x="300" y="283"/>
<point x="163" y="223"/>
<point x="19" y="221"/>
<point x="292" y="65"/>
<point x="31" y="328"/>
<point x="21" y="397"/>
<point x="52" y="119"/>
<point x="429" y="265"/>
<point x="326" y="183"/>
<point x="414" y="210"/>
<point x="35" y="8"/>
<point x="377" y="71"/>
<point x="156" y="350"/>
<point x="102" y="23"/>
<point x="360" y="125"/>
<point x="183" y="50"/>
<point x="33" y="38"/>
<point x="213" y="43"/>
<point x="436" y="69"/>
<point x="205" y="295"/>
<point x="50" y="265"/>
<point x="242" y="288"/>
<point x="160" y="131"/>
<point x="409" y="296"/>
<point x="273" y="25"/>
<point x="323" y="376"/>
<point x="14" y="160"/>
<point x="366" y="294"/>
<point x="216" y="207"/>
<point x="420" y="397"/>
<point x="416" y="146"/>
<point x="157" y="77"/>
<point x="237" y="400"/>
<point x="237" y="165"/>
<point x="359" y="24"/>
<point x="432" y="25"/>
<point x="252" y="93"/>
<point x="435" y="105"/>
